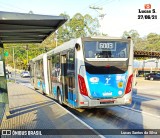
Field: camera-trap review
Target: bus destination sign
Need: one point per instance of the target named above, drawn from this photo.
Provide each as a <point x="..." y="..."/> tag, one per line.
<point x="106" y="46"/>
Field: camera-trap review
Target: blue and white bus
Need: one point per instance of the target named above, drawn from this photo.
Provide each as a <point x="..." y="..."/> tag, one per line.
<point x="86" y="72"/>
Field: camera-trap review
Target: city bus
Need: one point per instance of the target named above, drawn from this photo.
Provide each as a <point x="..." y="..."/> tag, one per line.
<point x="90" y="72"/>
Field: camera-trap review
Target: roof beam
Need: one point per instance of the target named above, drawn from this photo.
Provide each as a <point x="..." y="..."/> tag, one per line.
<point x="23" y="41"/>
<point x="27" y="30"/>
<point x="12" y="27"/>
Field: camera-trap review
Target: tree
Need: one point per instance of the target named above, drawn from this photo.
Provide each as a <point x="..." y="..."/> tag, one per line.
<point x="149" y="43"/>
<point x="49" y="41"/>
<point x="153" y="42"/>
<point x="133" y="34"/>
<point x="141" y="44"/>
<point x="78" y="26"/>
<point x="64" y="30"/>
<point x="153" y="38"/>
<point x="91" y="25"/>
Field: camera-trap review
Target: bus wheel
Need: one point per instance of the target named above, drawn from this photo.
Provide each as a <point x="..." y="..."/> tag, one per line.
<point x="59" y="96"/>
<point x="35" y="88"/>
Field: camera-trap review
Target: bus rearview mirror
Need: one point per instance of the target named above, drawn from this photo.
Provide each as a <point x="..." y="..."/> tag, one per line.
<point x="77" y="46"/>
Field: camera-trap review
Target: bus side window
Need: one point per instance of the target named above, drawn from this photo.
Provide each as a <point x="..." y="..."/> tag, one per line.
<point x="71" y="59"/>
<point x="38" y="69"/>
<point x="41" y="70"/>
<point x="71" y="69"/>
<point x="56" y="68"/>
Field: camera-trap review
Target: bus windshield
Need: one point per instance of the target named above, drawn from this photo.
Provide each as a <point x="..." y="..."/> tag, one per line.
<point x="105" y="49"/>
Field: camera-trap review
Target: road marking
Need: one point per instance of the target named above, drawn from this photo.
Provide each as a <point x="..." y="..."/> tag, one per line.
<point x="81" y="121"/>
<point x="142" y="98"/>
<point x="139" y="111"/>
<point x="153" y="97"/>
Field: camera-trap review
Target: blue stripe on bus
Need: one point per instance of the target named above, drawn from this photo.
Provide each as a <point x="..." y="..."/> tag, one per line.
<point x="106" y="85"/>
<point x="72" y="98"/>
<point x="39" y="84"/>
<point x="43" y="86"/>
<point x="54" y="91"/>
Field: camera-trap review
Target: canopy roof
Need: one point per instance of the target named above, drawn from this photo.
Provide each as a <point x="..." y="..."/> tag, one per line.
<point x="27" y="28"/>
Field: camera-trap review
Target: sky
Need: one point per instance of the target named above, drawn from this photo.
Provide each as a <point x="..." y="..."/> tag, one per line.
<point x="120" y="15"/>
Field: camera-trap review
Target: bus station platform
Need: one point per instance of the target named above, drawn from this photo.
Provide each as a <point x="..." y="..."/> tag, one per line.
<point x="30" y="110"/>
<point x="2" y="110"/>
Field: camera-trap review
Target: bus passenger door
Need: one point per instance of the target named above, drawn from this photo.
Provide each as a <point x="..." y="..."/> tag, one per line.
<point x="64" y="75"/>
<point x="70" y="79"/>
<point x="49" y="63"/>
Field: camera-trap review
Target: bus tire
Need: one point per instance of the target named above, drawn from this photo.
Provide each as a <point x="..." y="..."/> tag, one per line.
<point x="59" y="96"/>
<point x="35" y="88"/>
<point x="43" y="92"/>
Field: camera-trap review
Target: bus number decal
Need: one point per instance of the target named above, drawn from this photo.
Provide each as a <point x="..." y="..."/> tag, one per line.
<point x="106" y="46"/>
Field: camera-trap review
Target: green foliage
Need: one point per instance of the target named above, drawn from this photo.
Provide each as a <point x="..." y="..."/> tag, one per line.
<point x="78" y="26"/>
<point x="149" y="43"/>
<point x="20" y="53"/>
<point x="133" y="34"/>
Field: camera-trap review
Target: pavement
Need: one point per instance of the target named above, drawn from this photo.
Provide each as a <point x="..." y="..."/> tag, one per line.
<point x="30" y="110"/>
<point x="2" y="111"/>
<point x="147" y="87"/>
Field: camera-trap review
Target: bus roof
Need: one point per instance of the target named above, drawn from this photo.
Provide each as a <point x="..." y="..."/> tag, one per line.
<point x="64" y="46"/>
<point x="104" y="38"/>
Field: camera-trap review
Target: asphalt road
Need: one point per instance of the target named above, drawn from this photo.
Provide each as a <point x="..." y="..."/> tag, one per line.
<point x="143" y="113"/>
